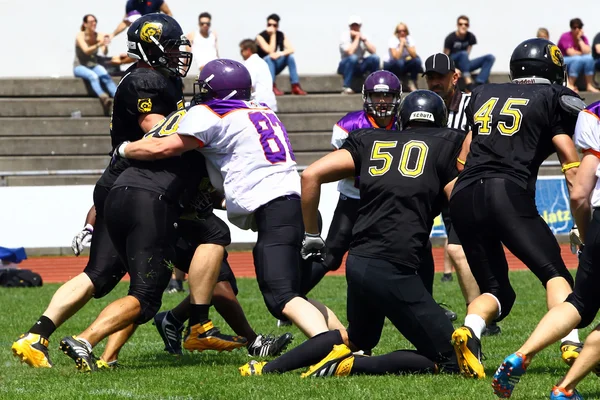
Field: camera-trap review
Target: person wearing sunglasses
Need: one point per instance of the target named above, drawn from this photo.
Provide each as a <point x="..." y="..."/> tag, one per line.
<point x="458" y="46"/>
<point x="275" y="48"/>
<point x="203" y="42"/>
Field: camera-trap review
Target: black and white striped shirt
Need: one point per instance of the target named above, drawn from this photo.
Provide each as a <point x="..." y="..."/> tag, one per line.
<point x="456" y="111"/>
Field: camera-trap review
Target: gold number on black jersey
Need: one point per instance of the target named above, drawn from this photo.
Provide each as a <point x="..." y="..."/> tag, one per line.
<point x="378" y="153"/>
<point x="483" y="116"/>
<point x="409" y="149"/>
<point x="167" y="126"/>
<point x="412" y="159"/>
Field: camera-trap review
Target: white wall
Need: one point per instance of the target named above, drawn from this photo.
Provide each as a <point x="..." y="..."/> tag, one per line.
<point x="41" y="43"/>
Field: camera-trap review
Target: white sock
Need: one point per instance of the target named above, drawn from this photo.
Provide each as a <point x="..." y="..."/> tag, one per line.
<point x="476" y="323"/>
<point x="573" y="336"/>
<point x="84" y="341"/>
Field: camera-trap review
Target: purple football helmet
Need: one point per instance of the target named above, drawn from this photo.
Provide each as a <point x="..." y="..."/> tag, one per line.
<point x="389" y="93"/>
<point x="223" y="79"/>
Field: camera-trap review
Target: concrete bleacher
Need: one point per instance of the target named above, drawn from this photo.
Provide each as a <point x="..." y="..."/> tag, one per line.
<point x="37" y="132"/>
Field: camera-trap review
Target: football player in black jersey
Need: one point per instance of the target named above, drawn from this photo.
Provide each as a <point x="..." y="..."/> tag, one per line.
<point x="405" y="177"/>
<point x="516" y="126"/>
<point x="150" y="90"/>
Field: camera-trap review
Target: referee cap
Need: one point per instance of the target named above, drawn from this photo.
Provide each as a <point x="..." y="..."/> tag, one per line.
<point x="440" y="63"/>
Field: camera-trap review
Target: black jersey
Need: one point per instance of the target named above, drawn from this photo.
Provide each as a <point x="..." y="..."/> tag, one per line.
<point x="176" y="178"/>
<point x="141" y="91"/>
<point x="402" y="180"/>
<point x="513" y="126"/>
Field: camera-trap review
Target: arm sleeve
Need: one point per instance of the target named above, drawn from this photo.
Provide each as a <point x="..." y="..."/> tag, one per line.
<point x="354" y="145"/>
<point x="449" y="43"/>
<point x="200" y="122"/>
<point x="141" y="96"/>
<point x="472" y="39"/>
<point x="587" y="133"/>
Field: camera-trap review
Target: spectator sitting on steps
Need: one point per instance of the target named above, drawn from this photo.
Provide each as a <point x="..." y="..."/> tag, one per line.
<point x="578" y="55"/>
<point x="403" y="58"/>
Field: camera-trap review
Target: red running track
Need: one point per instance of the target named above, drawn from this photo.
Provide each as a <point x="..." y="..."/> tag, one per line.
<point x="61" y="269"/>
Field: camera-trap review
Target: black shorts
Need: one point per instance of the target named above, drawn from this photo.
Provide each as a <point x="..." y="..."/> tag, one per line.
<point x="340" y="231"/>
<point x="492" y="212"/>
<point x="277" y="252"/>
<point x="378" y="289"/>
<point x="450" y="231"/>
<point x="142" y="226"/>
<point x="104" y="268"/>
<point x="584" y="297"/>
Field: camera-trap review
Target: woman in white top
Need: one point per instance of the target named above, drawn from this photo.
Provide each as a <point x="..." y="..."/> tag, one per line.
<point x="204" y="43"/>
<point x="402" y="56"/>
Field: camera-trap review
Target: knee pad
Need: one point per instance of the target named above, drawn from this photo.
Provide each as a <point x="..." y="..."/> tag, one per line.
<point x="105" y="283"/>
<point x="149" y="305"/>
<point x="506" y="300"/>
<point x="587" y="313"/>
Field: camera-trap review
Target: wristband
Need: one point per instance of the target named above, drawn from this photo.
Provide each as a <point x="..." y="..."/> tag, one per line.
<point x="121" y="149"/>
<point x="312" y="235"/>
<point x="88" y="227"/>
<point x="568" y="166"/>
<point x="460" y="161"/>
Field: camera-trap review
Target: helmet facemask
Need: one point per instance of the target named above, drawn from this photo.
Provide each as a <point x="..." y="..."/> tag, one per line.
<point x="381" y="102"/>
<point x="167" y="55"/>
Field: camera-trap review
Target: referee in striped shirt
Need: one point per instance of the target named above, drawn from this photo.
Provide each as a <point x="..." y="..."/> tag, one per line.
<point x="440" y="74"/>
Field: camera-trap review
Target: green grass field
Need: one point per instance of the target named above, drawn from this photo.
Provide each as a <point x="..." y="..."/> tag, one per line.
<point x="146" y="372"/>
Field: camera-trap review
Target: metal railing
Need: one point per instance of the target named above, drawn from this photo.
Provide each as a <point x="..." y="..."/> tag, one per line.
<point x="62" y="172"/>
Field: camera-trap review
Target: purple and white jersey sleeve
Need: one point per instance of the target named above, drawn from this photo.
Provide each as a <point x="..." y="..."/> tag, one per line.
<point x="201" y="123"/>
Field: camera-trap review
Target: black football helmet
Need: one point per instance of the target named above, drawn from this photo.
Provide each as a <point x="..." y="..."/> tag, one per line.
<point x="537" y="61"/>
<point x="156" y="39"/>
<point x="423" y="106"/>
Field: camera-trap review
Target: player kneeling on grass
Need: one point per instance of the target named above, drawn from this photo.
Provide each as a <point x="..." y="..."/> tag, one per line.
<point x="581" y="307"/>
<point x="405" y="177"/>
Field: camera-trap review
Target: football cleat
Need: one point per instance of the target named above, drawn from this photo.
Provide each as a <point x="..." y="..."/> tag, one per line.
<point x="447" y="277"/>
<point x="558" y="393"/>
<point x="264" y="346"/>
<point x="252" y="368"/>
<point x="491" y="330"/>
<point x="570" y="351"/>
<point x="468" y="352"/>
<point x="338" y="362"/>
<point x="508" y="375"/>
<point x="206" y="337"/>
<point x="32" y="349"/>
<point x="79" y="352"/>
<point x="174" y="286"/>
<point x="169" y="331"/>
<point x="283" y="322"/>
<point x="101" y="364"/>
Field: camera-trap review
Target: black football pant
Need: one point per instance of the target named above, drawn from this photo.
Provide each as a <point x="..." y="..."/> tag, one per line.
<point x="338" y="242"/>
<point x="379" y="289"/>
<point x="104" y="268"/>
<point x="585" y="297"/>
<point x="494" y="212"/>
<point x="142" y="226"/>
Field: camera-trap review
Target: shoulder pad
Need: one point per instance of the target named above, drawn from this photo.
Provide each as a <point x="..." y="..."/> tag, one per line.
<point x="571" y="104"/>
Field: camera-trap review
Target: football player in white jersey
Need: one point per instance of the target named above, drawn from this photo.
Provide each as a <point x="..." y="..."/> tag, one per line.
<point x="249" y="159"/>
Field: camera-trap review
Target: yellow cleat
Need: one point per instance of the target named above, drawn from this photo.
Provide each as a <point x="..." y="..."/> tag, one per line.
<point x="101" y="364"/>
<point x="206" y="337"/>
<point x="32" y="349"/>
<point x="570" y="351"/>
<point x="468" y="352"/>
<point x="252" y="368"/>
<point x="338" y="362"/>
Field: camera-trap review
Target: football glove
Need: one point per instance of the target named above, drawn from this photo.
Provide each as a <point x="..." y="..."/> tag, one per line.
<point x="313" y="247"/>
<point x="575" y="240"/>
<point x="82" y="239"/>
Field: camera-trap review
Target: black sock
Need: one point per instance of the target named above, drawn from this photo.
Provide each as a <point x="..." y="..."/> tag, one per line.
<point x="308" y="353"/>
<point x="199" y="314"/>
<point x="398" y="362"/>
<point x="44" y="326"/>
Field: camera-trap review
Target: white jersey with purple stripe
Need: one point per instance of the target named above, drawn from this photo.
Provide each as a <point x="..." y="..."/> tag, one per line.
<point x="587" y="138"/>
<point x="350" y="122"/>
<point x="249" y="156"/>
